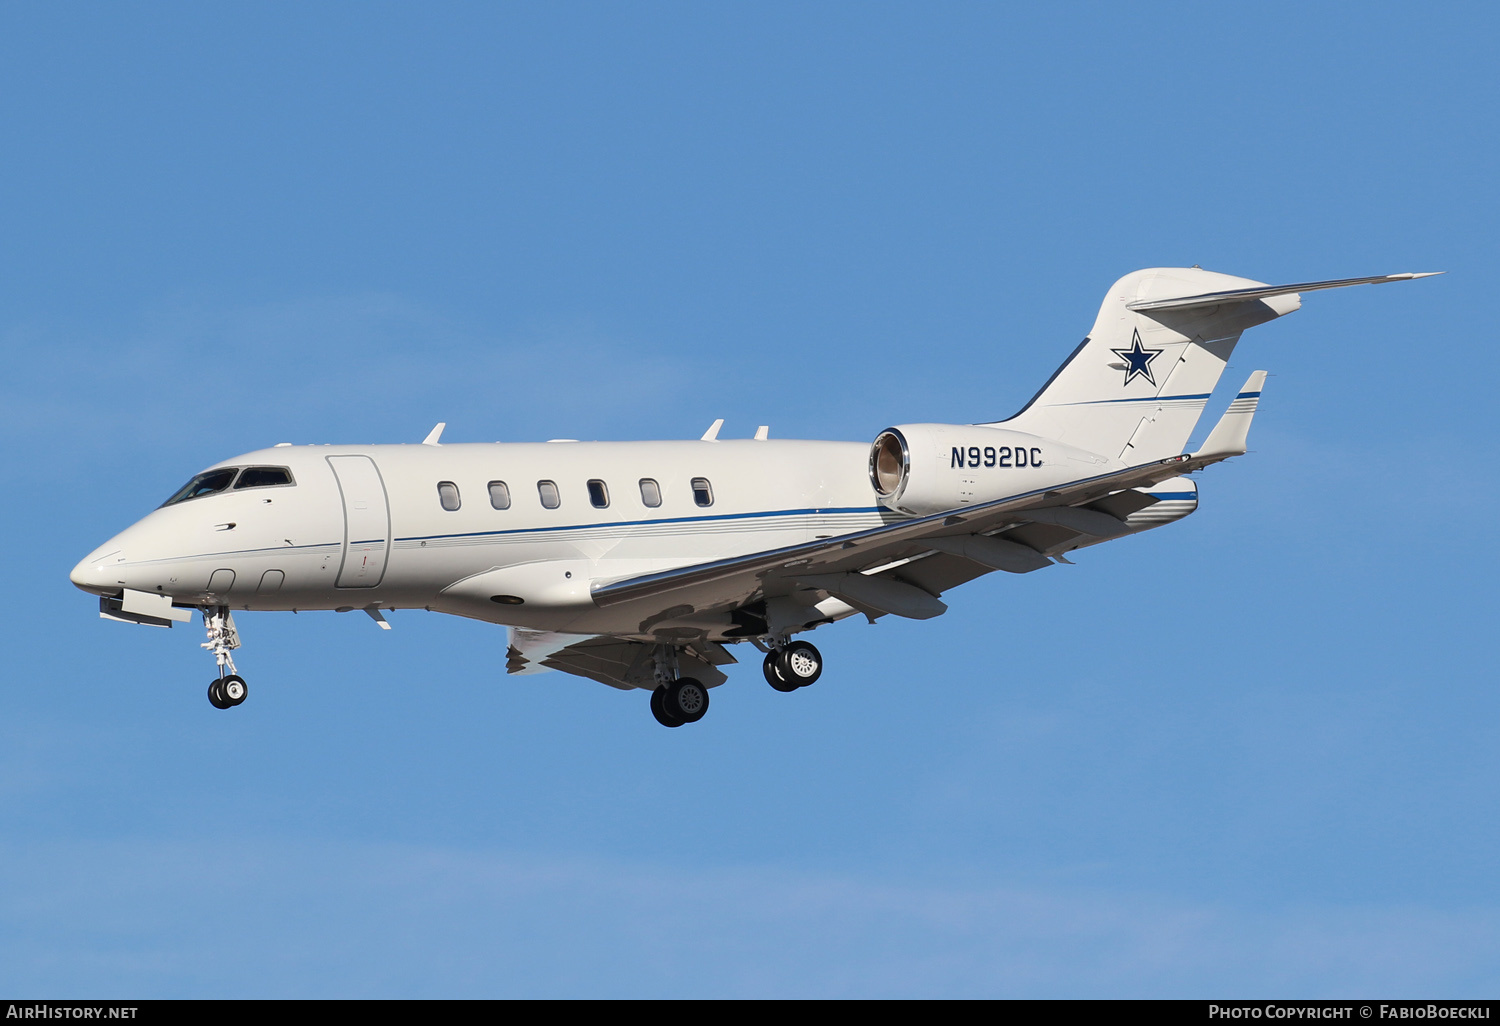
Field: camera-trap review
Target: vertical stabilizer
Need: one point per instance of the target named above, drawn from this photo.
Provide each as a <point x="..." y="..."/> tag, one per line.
<point x="1136" y="386"/>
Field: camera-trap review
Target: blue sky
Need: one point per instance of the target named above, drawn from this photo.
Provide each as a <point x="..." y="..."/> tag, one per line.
<point x="1253" y="753"/>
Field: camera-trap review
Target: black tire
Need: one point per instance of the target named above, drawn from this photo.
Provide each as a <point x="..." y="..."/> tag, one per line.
<point x="233" y="690"/>
<point x="800" y="664"/>
<point x="686" y="699"/>
<point x="772" y="670"/>
<point x="216" y="697"/>
<point x="659" y="712"/>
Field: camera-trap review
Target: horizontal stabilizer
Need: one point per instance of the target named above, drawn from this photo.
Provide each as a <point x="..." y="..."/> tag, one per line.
<point x="1267" y="291"/>
<point x="1230" y="434"/>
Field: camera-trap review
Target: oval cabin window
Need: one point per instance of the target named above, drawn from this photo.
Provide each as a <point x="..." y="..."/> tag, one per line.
<point x="448" y="495"/>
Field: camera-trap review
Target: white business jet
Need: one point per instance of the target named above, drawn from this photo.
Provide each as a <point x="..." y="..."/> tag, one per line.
<point x="636" y="564"/>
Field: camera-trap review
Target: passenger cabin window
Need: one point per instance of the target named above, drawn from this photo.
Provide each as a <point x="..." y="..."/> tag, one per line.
<point x="548" y="491"/>
<point x="499" y="495"/>
<point x="598" y="494"/>
<point x="650" y="492"/>
<point x="263" y="477"/>
<point x="206" y="483"/>
<point x="448" y="495"/>
<point x="703" y="492"/>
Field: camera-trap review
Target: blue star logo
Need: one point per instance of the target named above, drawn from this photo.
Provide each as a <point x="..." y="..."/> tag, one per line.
<point x="1137" y="360"/>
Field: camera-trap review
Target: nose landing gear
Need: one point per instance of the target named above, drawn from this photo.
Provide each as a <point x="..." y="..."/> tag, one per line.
<point x="227" y="690"/>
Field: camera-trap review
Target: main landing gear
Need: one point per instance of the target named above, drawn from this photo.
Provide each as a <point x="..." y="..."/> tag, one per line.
<point x="676" y="700"/>
<point x="793" y="666"/>
<point x="685" y="700"/>
<point x="228" y="689"/>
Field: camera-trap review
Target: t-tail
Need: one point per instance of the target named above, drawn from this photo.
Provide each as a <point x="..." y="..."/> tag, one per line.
<point x="1134" y="389"/>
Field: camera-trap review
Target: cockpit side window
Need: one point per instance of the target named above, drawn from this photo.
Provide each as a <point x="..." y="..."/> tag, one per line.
<point x="263" y="477"/>
<point x="206" y="483"/>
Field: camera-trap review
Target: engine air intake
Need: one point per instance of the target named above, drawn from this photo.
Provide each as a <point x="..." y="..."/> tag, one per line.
<point x="888" y="463"/>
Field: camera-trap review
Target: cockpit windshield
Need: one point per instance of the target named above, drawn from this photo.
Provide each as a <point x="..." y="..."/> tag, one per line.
<point x="211" y="482"/>
<point x="206" y="483"/>
<point x="263" y="477"/>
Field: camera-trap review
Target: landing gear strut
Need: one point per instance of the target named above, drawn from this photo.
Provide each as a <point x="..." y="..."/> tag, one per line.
<point x="227" y="690"/>
<point x="676" y="700"/>
<point x="793" y="666"/>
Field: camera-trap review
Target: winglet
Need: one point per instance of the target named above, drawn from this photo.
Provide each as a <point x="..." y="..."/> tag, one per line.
<point x="435" y="434"/>
<point x="712" y="434"/>
<point x="1229" y="435"/>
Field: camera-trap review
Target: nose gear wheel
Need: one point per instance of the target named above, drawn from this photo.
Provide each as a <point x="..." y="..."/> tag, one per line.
<point x="228" y="692"/>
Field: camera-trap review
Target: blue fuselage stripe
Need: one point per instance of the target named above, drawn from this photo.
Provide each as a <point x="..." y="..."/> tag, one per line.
<point x="1145" y="399"/>
<point x="648" y="523"/>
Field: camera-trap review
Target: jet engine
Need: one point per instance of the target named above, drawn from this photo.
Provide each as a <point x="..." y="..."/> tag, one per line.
<point x="928" y="468"/>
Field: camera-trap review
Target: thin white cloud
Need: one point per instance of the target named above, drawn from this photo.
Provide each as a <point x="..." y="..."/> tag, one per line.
<point x="328" y="919"/>
<point x="357" y="364"/>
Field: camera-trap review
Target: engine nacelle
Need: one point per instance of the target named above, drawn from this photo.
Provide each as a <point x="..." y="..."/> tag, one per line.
<point x="928" y="468"/>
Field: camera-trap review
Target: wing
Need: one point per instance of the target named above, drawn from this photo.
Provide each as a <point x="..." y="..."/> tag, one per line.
<point x="901" y="567"/>
<point x="618" y="662"/>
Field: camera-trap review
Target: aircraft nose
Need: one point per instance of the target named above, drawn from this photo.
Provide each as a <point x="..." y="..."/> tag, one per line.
<point x="93" y="573"/>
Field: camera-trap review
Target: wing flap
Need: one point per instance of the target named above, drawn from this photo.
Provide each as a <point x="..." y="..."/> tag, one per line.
<point x="618" y="662"/>
<point x="883" y="593"/>
<point x="995" y="553"/>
